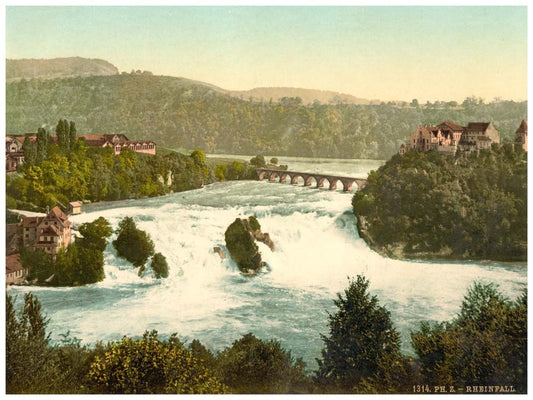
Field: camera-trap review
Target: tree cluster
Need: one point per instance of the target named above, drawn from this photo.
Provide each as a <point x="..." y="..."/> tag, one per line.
<point x="53" y="174"/>
<point x="136" y="246"/>
<point x="177" y="112"/>
<point x="462" y="207"/>
<point x="81" y="263"/>
<point x="486" y="344"/>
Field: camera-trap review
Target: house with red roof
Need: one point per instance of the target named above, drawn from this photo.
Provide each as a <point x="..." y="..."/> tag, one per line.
<point x="49" y="233"/>
<point x="119" y="142"/>
<point x="15" y="272"/>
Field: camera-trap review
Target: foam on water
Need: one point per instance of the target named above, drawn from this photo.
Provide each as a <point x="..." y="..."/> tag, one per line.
<point x="205" y="297"/>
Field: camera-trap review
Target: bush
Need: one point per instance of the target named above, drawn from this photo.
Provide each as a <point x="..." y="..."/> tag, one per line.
<point x="485" y="344"/>
<point x="159" y="265"/>
<point x="151" y="366"/>
<point x="258" y="161"/>
<point x="254" y="366"/>
<point x="274" y="161"/>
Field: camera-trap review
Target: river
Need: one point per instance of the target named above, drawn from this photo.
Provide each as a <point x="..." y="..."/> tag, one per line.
<point x="205" y="297"/>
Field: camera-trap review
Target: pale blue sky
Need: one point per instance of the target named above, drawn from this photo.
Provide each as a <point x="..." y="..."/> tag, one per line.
<point x="388" y="53"/>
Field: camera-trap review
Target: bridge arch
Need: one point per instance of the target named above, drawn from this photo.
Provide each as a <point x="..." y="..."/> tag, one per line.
<point x="307" y="179"/>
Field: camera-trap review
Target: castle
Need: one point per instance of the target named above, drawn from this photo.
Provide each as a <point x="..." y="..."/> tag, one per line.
<point x="448" y="137"/>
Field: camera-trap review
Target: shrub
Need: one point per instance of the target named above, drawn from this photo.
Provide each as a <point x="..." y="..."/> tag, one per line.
<point x="149" y="365"/>
<point x="159" y="265"/>
<point x="255" y="366"/>
<point x="485" y="344"/>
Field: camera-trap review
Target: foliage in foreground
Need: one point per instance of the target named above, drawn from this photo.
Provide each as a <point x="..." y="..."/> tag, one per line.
<point x="252" y="365"/>
<point x="150" y="365"/>
<point x="432" y="205"/>
<point x="486" y="344"/>
<point x="362" y="352"/>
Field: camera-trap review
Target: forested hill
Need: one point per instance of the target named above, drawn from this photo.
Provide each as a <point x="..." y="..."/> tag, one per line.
<point x="29" y="68"/>
<point x="177" y="112"/>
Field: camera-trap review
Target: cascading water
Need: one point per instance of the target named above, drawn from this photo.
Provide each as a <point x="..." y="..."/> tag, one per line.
<point x="205" y="297"/>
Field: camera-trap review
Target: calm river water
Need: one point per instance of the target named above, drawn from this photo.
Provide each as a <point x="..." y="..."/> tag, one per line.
<point x="317" y="248"/>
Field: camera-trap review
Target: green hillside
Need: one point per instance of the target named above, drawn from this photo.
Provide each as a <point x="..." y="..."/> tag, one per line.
<point x="177" y="112"/>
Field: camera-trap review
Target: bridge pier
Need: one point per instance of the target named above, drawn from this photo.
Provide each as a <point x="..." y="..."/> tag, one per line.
<point x="347" y="182"/>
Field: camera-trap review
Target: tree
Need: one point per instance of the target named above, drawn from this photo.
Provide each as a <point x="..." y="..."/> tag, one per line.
<point x="251" y="365"/>
<point x="361" y="353"/>
<point x="258" y="161"/>
<point x="39" y="264"/>
<point x="486" y="343"/>
<point x="95" y="234"/>
<point x="159" y="265"/>
<point x="133" y="244"/>
<point x="63" y="137"/>
<point x="42" y="145"/>
<point x="198" y="156"/>
<point x="150" y="366"/>
<point x="414" y="103"/>
<point x="28" y="365"/>
<point x="274" y="161"/>
<point x="30" y="150"/>
<point x="72" y="135"/>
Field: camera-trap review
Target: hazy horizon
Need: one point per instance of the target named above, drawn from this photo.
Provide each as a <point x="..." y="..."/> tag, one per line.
<point x="385" y="53"/>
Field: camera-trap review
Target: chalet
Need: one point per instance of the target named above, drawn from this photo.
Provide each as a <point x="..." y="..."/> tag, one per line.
<point x="118" y="142"/>
<point x="521" y="135"/>
<point x="15" y="272"/>
<point x="49" y="233"/>
<point x="14" y="153"/>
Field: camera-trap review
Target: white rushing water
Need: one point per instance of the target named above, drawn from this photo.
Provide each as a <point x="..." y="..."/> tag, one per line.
<point x="317" y="248"/>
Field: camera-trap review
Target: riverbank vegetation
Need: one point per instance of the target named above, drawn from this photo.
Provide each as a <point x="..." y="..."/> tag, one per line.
<point x="428" y="205"/>
<point x="176" y="112"/>
<point x="69" y="170"/>
<point x="485" y="345"/>
<point x="81" y="264"/>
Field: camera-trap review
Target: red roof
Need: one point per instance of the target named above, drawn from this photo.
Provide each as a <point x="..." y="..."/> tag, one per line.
<point x="75" y="203"/>
<point x="478" y="126"/>
<point x="13" y="263"/>
<point x="452" y="125"/>
<point x="522" y="128"/>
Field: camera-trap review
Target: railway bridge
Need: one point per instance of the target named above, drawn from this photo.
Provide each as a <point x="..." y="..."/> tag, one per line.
<point x="276" y="175"/>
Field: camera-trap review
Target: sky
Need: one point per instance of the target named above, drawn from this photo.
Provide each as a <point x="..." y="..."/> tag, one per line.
<point x="387" y="53"/>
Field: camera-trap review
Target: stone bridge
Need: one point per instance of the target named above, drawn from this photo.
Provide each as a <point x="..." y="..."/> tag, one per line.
<point x="308" y="177"/>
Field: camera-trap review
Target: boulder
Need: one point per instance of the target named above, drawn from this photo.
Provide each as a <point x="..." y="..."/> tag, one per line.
<point x="220" y="252"/>
<point x="240" y="241"/>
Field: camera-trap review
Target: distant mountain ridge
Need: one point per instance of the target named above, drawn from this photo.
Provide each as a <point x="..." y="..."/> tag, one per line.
<point x="308" y="96"/>
<point x="68" y="67"/>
